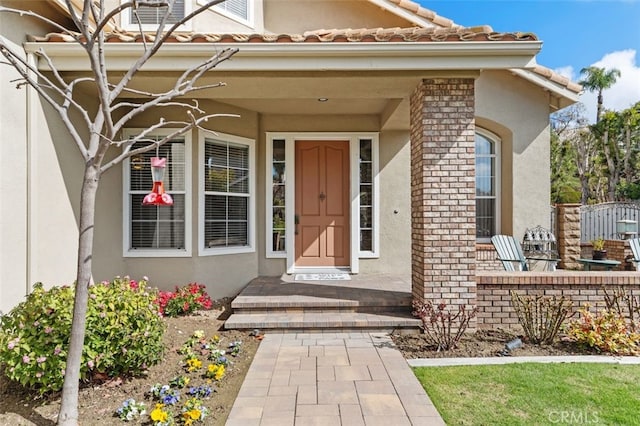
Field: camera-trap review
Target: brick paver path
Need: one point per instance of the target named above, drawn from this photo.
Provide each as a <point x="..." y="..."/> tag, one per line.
<point x="331" y="379"/>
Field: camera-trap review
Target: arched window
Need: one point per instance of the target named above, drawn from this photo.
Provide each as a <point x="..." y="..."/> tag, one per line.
<point x="487" y="185"/>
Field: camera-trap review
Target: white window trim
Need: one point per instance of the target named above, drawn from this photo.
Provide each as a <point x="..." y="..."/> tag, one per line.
<point x="498" y="176"/>
<point x="250" y="143"/>
<point x="125" y="18"/>
<point x="354" y="160"/>
<point x="126" y="206"/>
<point x="250" y="12"/>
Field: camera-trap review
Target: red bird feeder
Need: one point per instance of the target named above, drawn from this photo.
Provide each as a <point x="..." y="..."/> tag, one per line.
<point x="157" y="196"/>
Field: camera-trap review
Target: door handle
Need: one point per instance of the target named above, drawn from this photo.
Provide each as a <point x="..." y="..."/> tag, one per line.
<point x="296" y="221"/>
<point x="322" y="196"/>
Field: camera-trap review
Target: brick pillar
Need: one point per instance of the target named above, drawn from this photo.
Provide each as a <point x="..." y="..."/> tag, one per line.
<point x="443" y="209"/>
<point x="568" y="235"/>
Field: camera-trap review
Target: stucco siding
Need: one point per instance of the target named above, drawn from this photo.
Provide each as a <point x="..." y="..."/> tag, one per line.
<point x="518" y="113"/>
<point x="303" y="15"/>
<point x="13" y="187"/>
<point x="37" y="229"/>
<point x="224" y="275"/>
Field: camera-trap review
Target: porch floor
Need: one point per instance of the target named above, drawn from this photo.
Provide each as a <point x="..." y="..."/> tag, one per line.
<point x="367" y="302"/>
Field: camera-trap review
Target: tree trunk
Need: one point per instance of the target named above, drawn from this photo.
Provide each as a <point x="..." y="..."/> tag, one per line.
<point x="69" y="405"/>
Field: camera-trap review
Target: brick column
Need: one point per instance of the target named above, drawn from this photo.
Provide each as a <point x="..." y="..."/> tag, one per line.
<point x="568" y="235"/>
<point x="443" y="209"/>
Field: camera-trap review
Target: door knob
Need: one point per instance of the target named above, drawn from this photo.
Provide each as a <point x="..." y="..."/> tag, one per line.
<point x="322" y="196"/>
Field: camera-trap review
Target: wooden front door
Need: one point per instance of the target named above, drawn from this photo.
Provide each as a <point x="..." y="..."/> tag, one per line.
<point x="322" y="204"/>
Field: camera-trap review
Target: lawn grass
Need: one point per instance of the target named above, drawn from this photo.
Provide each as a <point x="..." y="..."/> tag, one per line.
<point x="535" y="394"/>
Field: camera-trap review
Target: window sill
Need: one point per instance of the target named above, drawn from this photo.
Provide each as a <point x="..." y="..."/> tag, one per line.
<point x="157" y="253"/>
<point x="225" y="251"/>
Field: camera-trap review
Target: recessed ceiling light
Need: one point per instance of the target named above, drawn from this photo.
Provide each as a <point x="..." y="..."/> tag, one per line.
<point x="323" y="99"/>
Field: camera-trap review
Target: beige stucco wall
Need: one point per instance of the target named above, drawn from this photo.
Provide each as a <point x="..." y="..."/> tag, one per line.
<point x="224" y="275"/>
<point x="32" y="228"/>
<point x="285" y="16"/>
<point x="291" y="17"/>
<point x="518" y="113"/>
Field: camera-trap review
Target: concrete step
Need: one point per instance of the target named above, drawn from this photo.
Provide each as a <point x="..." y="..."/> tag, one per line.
<point x="310" y="320"/>
<point x="316" y="309"/>
<point x="279" y="302"/>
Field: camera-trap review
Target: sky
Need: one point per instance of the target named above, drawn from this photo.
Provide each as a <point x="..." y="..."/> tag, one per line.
<point x="575" y="33"/>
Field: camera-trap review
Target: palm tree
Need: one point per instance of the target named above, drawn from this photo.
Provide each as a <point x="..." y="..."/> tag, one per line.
<point x="598" y="79"/>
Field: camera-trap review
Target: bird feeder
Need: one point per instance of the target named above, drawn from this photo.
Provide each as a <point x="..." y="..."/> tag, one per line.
<point x="157" y="196"/>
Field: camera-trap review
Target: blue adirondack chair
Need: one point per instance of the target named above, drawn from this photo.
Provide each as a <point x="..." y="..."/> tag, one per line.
<point x="634" y="244"/>
<point x="512" y="257"/>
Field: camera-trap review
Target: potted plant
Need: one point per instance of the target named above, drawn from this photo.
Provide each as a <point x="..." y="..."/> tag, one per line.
<point x="599" y="253"/>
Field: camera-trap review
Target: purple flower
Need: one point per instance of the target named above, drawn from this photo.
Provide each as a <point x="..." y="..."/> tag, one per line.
<point x="38" y="374"/>
<point x="48" y="330"/>
<point x="90" y="364"/>
<point x="41" y="359"/>
<point x="36" y="323"/>
<point x="26" y="359"/>
<point x="57" y="350"/>
<point x="11" y="345"/>
<point x="102" y="315"/>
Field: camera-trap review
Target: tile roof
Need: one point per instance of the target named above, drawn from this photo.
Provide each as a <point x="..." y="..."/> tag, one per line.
<point x="422" y="12"/>
<point x="363" y="35"/>
<point x="557" y="78"/>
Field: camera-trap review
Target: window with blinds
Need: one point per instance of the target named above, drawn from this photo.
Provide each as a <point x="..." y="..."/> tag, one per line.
<point x="157" y="228"/>
<point x="226" y="194"/>
<point x="149" y="15"/>
<point x="237" y="8"/>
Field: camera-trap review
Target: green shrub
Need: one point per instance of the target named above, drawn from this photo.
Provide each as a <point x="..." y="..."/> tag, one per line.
<point x="605" y="331"/>
<point x="123" y="335"/>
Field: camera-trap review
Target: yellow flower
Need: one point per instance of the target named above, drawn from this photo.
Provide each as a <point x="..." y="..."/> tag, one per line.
<point x="193" y="364"/>
<point x="216" y="371"/>
<point x="194" y="414"/>
<point x="158" y="415"/>
<point x="219" y="373"/>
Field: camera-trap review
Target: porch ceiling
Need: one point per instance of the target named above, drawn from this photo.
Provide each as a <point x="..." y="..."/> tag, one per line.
<point x="385" y="95"/>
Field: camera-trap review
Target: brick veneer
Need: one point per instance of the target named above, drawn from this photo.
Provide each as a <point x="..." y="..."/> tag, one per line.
<point x="494" y="300"/>
<point x="443" y="191"/>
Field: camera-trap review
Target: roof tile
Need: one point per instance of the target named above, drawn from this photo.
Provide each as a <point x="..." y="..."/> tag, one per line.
<point x="361" y="35"/>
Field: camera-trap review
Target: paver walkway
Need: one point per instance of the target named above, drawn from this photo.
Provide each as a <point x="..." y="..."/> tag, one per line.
<point x="331" y="379"/>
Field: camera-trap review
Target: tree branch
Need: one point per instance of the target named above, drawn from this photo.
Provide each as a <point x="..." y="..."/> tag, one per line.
<point x="187" y="126"/>
<point x="25" y="69"/>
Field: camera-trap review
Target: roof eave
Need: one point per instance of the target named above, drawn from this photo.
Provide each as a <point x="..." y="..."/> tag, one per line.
<point x="466" y="55"/>
<point x="562" y="96"/>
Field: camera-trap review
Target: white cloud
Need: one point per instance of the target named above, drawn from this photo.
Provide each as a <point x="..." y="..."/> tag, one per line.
<point x="566" y="72"/>
<point x="621" y="95"/>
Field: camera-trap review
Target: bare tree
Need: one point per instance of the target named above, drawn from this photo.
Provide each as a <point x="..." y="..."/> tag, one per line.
<point x="91" y="21"/>
<point x="570" y="124"/>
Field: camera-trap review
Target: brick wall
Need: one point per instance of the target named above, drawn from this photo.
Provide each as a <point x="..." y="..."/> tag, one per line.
<point x="494" y="300"/>
<point x="487" y="258"/>
<point x="443" y="191"/>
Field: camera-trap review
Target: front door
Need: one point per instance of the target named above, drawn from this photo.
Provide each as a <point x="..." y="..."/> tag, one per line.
<point x="322" y="204"/>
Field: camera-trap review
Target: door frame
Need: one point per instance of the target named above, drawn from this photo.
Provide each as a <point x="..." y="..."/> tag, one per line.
<point x="354" y="194"/>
